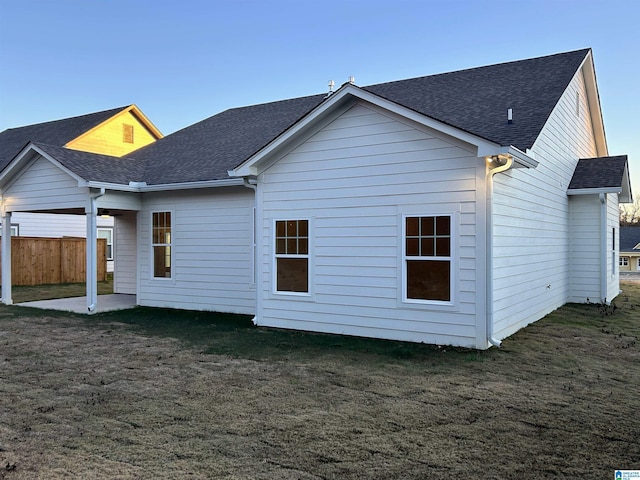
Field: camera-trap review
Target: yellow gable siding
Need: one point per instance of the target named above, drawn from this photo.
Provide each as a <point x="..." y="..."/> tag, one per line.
<point x="109" y="138"/>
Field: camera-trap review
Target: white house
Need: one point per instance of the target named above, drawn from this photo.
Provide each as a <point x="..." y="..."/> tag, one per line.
<point x="117" y="132"/>
<point x="450" y="209"/>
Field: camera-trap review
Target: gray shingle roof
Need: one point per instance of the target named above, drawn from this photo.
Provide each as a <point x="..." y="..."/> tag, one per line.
<point x="475" y="100"/>
<point x="95" y="167"/>
<point x="208" y="149"/>
<point x="602" y="172"/>
<point x="629" y="238"/>
<point x="57" y="133"/>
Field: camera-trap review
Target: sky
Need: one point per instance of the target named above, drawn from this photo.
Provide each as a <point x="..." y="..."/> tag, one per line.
<point x="183" y="61"/>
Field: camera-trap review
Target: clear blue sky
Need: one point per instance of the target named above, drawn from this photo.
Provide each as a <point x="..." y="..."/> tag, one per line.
<point x="183" y="61"/>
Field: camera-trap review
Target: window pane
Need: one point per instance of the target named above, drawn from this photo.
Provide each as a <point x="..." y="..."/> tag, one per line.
<point x="426" y="247"/>
<point x="292" y="228"/>
<point x="428" y="280"/>
<point x="162" y="261"/>
<point x="426" y="226"/>
<point x="281" y="246"/>
<point x="303" y="246"/>
<point x="292" y="246"/>
<point x="280" y="229"/>
<point x="303" y="228"/>
<point x="443" y="247"/>
<point x="413" y="248"/>
<point x="292" y="275"/>
<point x="412" y="227"/>
<point x="443" y="226"/>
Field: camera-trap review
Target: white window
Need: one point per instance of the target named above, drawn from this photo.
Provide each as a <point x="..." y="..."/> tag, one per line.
<point x="428" y="259"/>
<point x="161" y="244"/>
<point x="624" y="261"/>
<point x="107" y="233"/>
<point x="15" y="230"/>
<point x="291" y="252"/>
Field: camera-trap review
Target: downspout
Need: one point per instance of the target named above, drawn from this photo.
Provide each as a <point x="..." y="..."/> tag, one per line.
<point x="92" y="283"/>
<point x="501" y="167"/>
<point x="603" y="242"/>
<point x="247" y="183"/>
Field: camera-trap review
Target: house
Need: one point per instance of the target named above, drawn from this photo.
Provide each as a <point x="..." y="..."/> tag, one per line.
<point x="115" y="132"/>
<point x="450" y="209"/>
<point x="630" y="249"/>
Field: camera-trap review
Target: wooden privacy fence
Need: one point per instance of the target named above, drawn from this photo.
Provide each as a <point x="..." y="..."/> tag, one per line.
<point x="41" y="261"/>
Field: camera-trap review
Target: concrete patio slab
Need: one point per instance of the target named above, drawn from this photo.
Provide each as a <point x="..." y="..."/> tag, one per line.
<point x="106" y="303"/>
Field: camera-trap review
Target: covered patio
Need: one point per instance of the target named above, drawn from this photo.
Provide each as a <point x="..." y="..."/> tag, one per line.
<point x="106" y="303"/>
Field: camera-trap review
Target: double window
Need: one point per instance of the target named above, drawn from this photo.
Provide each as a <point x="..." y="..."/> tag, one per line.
<point x="427" y="258"/>
<point x="292" y="256"/>
<point x="161" y="244"/>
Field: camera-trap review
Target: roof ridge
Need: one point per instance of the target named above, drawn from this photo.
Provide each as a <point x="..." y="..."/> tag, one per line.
<point x="75" y="117"/>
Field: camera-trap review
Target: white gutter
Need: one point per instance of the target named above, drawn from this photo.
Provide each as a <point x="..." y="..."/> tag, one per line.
<point x="603" y="243"/>
<point x="92" y="255"/>
<point x="143" y="187"/>
<point x="501" y="167"/>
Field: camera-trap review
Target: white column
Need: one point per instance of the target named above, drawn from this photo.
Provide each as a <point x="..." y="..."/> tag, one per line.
<point x="6" y="258"/>
<point x="92" y="256"/>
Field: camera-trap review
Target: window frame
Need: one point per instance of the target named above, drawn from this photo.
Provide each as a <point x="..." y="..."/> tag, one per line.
<point x="107" y="229"/>
<point x="452" y="258"/>
<point x="170" y="244"/>
<point x="623" y="261"/>
<point x="275" y="256"/>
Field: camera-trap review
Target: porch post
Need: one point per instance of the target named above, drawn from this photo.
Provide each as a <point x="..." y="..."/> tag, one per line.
<point x="92" y="251"/>
<point x="6" y="258"/>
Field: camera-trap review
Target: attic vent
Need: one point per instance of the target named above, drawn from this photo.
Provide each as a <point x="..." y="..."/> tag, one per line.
<point x="127" y="133"/>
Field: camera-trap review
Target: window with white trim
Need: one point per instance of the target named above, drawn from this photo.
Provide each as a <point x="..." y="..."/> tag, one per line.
<point x="15" y="229"/>
<point x="107" y="234"/>
<point x="161" y="244"/>
<point x="624" y="261"/>
<point x="427" y="258"/>
<point x="292" y="256"/>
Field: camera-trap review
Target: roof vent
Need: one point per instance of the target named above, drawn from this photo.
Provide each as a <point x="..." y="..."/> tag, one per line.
<point x="352" y="79"/>
<point x="331" y="85"/>
<point x="510" y="115"/>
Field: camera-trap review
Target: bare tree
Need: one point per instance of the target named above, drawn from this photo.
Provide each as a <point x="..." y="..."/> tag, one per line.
<point x="630" y="214"/>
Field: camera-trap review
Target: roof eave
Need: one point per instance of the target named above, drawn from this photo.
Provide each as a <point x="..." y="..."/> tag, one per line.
<point x="141" y="187"/>
<point x="349" y="93"/>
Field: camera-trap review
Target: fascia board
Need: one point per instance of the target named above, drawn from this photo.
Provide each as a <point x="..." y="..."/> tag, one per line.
<point x="593" y="191"/>
<point x="595" y="109"/>
<point x="347" y="93"/>
<point x="24" y="157"/>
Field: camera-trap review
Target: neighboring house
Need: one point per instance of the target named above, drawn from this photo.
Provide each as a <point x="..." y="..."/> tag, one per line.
<point x="449" y="209"/>
<point x="630" y="249"/>
<point x="115" y="132"/>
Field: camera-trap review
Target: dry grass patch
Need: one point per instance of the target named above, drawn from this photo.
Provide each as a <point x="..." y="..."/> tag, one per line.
<point x="165" y="394"/>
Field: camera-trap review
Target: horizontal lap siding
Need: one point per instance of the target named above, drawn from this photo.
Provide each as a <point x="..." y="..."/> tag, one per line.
<point x="43" y="186"/>
<point x="353" y="180"/>
<point x="125" y="234"/>
<point x="211" y="234"/>
<point x="532" y="232"/>
<point x="585" y="248"/>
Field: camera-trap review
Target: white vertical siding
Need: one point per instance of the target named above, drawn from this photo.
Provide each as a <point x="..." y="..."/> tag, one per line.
<point x="125" y="235"/>
<point x="212" y="248"/>
<point x="354" y="179"/>
<point x="531" y="208"/>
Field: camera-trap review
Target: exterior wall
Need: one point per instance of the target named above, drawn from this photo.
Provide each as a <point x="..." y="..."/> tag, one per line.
<point x="43" y="186"/>
<point x="212" y="232"/>
<point x="531" y="211"/>
<point x="586" y="250"/>
<point x="107" y="138"/>
<point x="354" y="180"/>
<point x="125" y="259"/>
<point x="613" y="246"/>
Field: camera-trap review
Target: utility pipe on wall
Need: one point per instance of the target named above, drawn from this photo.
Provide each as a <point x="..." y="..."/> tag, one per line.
<point x="501" y="167"/>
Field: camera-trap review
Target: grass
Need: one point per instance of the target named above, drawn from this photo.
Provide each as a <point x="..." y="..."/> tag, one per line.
<point x="157" y="393"/>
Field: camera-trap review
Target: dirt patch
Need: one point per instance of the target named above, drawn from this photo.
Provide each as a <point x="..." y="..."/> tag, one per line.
<point x="77" y="400"/>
